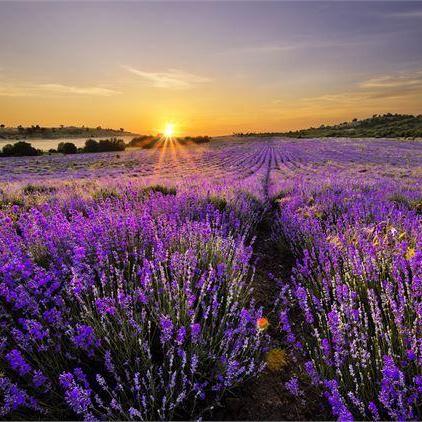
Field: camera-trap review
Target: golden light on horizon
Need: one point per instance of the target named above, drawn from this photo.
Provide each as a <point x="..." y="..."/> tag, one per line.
<point x="169" y="130"/>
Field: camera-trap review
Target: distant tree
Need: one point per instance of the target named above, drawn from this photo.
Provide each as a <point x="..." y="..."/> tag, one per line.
<point x="67" y="148"/>
<point x="104" y="145"/>
<point x="91" y="145"/>
<point x="111" y="145"/>
<point x="98" y="127"/>
<point x="2" y="126"/>
<point x="141" y="141"/>
<point x="20" y="149"/>
<point x="122" y="129"/>
<point x="195" y="139"/>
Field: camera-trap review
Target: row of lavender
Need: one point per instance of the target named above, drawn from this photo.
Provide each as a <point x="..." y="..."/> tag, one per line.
<point x="235" y="157"/>
<point x="133" y="306"/>
<point x="353" y="309"/>
<point x="125" y="301"/>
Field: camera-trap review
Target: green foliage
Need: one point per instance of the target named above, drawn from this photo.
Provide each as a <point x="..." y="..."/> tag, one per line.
<point x="20" y="149"/>
<point x="37" y="131"/>
<point x="378" y="126"/>
<point x="104" y="145"/>
<point x="160" y="188"/>
<point x="105" y="193"/>
<point x="31" y="189"/>
<point x="405" y="202"/>
<point x="144" y="141"/>
<point x="67" y="148"/>
<point x="219" y="202"/>
<point x="195" y="139"/>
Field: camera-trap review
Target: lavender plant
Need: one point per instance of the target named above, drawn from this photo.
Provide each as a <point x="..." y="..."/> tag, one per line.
<point x="125" y="282"/>
<point x="130" y="308"/>
<point x="354" y="307"/>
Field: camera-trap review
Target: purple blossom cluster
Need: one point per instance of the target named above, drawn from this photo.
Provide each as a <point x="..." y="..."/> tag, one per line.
<point x="131" y="307"/>
<point x="125" y="281"/>
<point x="354" y="306"/>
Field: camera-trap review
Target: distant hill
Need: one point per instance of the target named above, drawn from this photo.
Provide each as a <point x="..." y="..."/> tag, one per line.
<point x="378" y="126"/>
<point x="37" y="132"/>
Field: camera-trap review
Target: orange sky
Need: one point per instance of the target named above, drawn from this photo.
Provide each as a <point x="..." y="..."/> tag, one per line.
<point x="210" y="68"/>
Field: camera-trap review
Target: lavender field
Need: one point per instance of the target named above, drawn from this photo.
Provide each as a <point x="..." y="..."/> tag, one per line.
<point x="171" y="283"/>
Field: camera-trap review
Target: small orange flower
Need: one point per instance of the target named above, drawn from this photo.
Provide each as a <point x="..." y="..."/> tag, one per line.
<point x="262" y="324"/>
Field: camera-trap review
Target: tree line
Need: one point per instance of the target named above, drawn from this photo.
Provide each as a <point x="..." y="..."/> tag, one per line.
<point x="22" y="148"/>
<point x="37" y="131"/>
<point x="378" y="126"/>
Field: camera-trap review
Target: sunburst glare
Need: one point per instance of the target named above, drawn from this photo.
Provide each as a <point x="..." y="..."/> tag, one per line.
<point x="169" y="130"/>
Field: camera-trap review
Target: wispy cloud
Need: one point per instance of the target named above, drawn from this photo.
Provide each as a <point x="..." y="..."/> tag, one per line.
<point x="279" y="47"/>
<point x="400" y="80"/>
<point x="412" y="14"/>
<point x="172" y="79"/>
<point x="350" y="98"/>
<point x="78" y="90"/>
<point x="31" y="90"/>
<point x="374" y="93"/>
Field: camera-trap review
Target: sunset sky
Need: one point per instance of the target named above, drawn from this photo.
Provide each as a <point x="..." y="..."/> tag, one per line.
<point x="208" y="67"/>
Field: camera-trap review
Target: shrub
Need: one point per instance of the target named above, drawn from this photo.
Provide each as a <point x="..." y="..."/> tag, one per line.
<point x="219" y="202"/>
<point x="143" y="141"/>
<point x="165" y="190"/>
<point x="20" y="149"/>
<point x="104" y="145"/>
<point x="31" y="189"/>
<point x="105" y="193"/>
<point x="197" y="139"/>
<point x="67" y="148"/>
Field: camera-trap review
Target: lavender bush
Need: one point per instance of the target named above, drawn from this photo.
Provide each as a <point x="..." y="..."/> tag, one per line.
<point x="130" y="308"/>
<point x="354" y="307"/>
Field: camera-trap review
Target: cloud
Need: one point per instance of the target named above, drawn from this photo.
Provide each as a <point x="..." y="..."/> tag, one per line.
<point x="400" y="85"/>
<point x="415" y="14"/>
<point x="66" y="89"/>
<point x="399" y="80"/>
<point x="265" y="48"/>
<point x="32" y="90"/>
<point x="172" y="79"/>
<point x="349" y="98"/>
<point x="401" y="89"/>
<point x="276" y="47"/>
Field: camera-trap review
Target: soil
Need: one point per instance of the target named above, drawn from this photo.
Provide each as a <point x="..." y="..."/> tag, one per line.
<point x="265" y="397"/>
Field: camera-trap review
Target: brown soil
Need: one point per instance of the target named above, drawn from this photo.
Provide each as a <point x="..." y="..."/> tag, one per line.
<point x="265" y="397"/>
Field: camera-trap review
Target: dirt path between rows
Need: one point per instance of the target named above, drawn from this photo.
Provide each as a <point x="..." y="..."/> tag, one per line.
<point x="265" y="397"/>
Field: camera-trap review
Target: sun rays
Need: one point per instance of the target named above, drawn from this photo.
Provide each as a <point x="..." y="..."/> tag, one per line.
<point x="173" y="152"/>
<point x="169" y="130"/>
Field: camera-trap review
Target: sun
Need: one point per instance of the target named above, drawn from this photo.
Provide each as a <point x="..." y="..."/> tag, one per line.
<point x="169" y="130"/>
